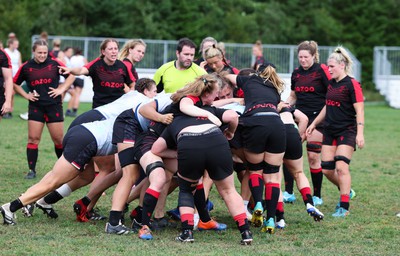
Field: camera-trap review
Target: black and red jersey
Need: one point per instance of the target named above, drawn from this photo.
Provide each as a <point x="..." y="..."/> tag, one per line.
<point x="259" y="95"/>
<point x="175" y="107"/>
<point x="170" y="134"/>
<point x="108" y="80"/>
<point x="5" y="62"/>
<point x="259" y="61"/>
<point x="310" y="87"/>
<point x="54" y="54"/>
<point x="340" y="112"/>
<point x="131" y="69"/>
<point x="40" y="77"/>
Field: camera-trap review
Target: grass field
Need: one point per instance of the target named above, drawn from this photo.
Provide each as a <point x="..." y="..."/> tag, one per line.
<point x="371" y="229"/>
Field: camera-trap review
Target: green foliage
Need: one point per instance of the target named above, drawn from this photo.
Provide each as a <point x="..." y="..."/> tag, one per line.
<point x="359" y="25"/>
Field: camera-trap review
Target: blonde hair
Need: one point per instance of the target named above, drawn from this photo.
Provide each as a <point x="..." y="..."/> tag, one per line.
<point x="311" y="47"/>
<point x="340" y="55"/>
<point x="269" y="74"/>
<point x="203" y="84"/>
<point x="130" y="44"/>
<point x="212" y="52"/>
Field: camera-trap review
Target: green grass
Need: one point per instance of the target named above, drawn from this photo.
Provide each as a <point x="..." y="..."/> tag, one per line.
<point x="371" y="229"/>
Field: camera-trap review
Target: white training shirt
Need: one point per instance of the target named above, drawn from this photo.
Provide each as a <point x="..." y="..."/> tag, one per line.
<point x="162" y="101"/>
<point x="129" y="100"/>
<point x="102" y="131"/>
<point x="234" y="106"/>
<point x="77" y="61"/>
<point x="15" y="56"/>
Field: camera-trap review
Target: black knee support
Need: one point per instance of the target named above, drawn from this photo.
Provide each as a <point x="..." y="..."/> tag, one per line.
<point x="342" y="158"/>
<point x="255" y="167"/>
<point x="152" y="166"/>
<point x="314" y="146"/>
<point x="328" y="165"/>
<point x="269" y="168"/>
<point x="126" y="157"/>
<point x="186" y="189"/>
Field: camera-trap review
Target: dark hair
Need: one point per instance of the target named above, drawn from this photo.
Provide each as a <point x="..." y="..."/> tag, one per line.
<point x="67" y="48"/>
<point x="78" y="51"/>
<point x="39" y="42"/>
<point x="11" y="41"/>
<point x="185" y="42"/>
<point x="246" y="72"/>
<point x="144" y="83"/>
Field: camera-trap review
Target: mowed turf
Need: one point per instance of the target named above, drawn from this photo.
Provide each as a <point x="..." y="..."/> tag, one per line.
<point x="371" y="229"/>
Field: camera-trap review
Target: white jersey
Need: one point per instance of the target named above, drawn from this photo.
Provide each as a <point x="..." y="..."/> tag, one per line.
<point x="102" y="131"/>
<point x="129" y="100"/>
<point x="162" y="101"/>
<point x="15" y="57"/>
<point x="234" y="106"/>
<point x="77" y="61"/>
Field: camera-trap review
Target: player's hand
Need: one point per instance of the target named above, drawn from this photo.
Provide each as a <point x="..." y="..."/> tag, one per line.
<point x="54" y="92"/>
<point x="167" y="118"/>
<point x="33" y="96"/>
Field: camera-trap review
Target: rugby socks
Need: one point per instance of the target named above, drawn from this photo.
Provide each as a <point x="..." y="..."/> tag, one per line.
<point x="306" y="194"/>
<point x="288" y="180"/>
<point x="16" y="205"/>
<point x="280" y="211"/>
<point x="344" y="201"/>
<point x="272" y="191"/>
<point x="115" y="217"/>
<point x="58" y="149"/>
<point x="187" y="220"/>
<point x="86" y="201"/>
<point x="32" y="153"/>
<point x="200" y="203"/>
<point x="241" y="222"/>
<point x="256" y="186"/>
<point x="137" y="213"/>
<point x="58" y="194"/>
<point x="316" y="177"/>
<point x="149" y="203"/>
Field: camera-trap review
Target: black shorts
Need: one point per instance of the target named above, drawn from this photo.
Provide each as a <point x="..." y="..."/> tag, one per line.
<point x="79" y="146"/>
<point x="209" y="152"/>
<point x="346" y="137"/>
<point x="294" y="148"/>
<point x="143" y="144"/>
<point x="264" y="134"/>
<point x="48" y="114"/>
<point x="319" y="127"/>
<point x="237" y="141"/>
<point x="126" y="128"/>
<point x="87" y="117"/>
<point x="79" y="82"/>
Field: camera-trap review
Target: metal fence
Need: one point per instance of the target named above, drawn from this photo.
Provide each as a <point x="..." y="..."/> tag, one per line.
<point x="387" y="73"/>
<point x="386" y="61"/>
<point x="159" y="52"/>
